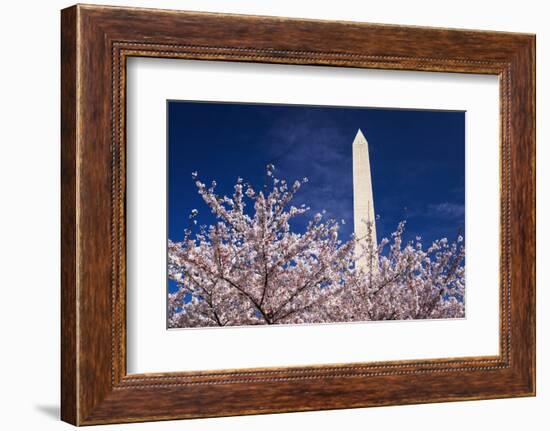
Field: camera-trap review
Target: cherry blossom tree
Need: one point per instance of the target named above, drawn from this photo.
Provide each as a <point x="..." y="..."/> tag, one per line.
<point x="251" y="268"/>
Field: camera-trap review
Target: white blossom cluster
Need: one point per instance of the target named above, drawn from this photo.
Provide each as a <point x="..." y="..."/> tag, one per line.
<point x="250" y="268"/>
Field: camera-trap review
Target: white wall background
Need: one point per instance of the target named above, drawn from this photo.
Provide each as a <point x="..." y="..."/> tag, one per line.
<point x="29" y="214"/>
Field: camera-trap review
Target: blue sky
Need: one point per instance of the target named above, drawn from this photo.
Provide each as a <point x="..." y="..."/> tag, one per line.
<point x="417" y="161"/>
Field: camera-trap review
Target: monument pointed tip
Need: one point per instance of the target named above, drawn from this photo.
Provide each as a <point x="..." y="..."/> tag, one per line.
<point x="359" y="137"/>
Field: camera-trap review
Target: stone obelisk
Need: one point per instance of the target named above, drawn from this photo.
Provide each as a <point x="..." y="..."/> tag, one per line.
<point x="363" y="202"/>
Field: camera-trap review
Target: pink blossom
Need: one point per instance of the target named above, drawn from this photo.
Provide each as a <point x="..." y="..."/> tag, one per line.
<point x="252" y="269"/>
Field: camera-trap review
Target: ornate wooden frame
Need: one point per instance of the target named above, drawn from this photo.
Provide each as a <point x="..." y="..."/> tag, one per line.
<point x="95" y="43"/>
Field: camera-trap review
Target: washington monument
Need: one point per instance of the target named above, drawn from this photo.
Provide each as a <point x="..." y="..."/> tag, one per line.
<point x="363" y="202"/>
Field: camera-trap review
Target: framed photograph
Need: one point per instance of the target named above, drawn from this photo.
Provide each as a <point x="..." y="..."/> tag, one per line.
<point x="331" y="214"/>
